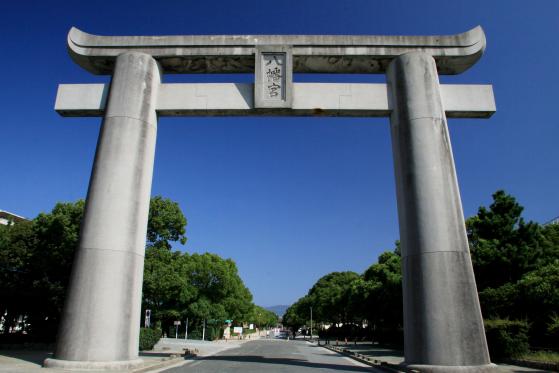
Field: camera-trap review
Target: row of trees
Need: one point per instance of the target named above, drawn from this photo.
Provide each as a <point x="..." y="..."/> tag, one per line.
<point x="203" y="288"/>
<point x="516" y="264"/>
<point x="35" y="264"/>
<point x="346" y="301"/>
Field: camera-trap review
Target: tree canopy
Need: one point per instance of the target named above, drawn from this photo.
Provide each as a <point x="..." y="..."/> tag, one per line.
<point x="36" y="258"/>
<point x="35" y="261"/>
<point x="198" y="286"/>
<point x="352" y="305"/>
<point x="516" y="264"/>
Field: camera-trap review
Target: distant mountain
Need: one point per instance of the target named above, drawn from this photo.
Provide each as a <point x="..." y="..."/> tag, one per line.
<point x="278" y="310"/>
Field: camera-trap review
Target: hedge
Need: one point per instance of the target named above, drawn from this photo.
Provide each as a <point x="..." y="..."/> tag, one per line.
<point x="148" y="338"/>
<point x="506" y="338"/>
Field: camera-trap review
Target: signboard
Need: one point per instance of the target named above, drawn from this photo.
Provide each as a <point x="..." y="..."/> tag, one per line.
<point x="177" y="322"/>
<point x="238" y="329"/>
<point x="251" y="326"/>
<point x="274" y="77"/>
<point x="147" y="321"/>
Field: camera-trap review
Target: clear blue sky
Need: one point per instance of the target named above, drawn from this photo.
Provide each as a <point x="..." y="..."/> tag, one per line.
<point x="289" y="199"/>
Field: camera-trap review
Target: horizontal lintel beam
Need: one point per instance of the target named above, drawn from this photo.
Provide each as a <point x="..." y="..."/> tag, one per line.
<point x="309" y="99"/>
<point x="229" y="54"/>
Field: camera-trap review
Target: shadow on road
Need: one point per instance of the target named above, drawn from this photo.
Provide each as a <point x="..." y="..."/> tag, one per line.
<point x="32" y="356"/>
<point x="286" y="361"/>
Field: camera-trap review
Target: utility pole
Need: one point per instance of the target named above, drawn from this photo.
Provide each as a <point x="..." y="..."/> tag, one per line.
<point x="311" y="323"/>
<point x="186" y="330"/>
<point x="177" y="323"/>
<point x="204" y="330"/>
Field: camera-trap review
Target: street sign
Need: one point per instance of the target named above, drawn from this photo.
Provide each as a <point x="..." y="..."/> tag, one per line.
<point x="147" y="321"/>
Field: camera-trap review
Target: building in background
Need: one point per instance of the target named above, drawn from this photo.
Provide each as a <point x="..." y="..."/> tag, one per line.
<point x="7" y="218"/>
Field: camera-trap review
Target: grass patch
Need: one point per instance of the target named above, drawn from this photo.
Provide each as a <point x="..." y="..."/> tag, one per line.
<point x="541" y="356"/>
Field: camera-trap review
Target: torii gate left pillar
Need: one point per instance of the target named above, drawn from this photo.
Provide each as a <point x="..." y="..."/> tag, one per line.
<point x="100" y="327"/>
<point x="443" y="327"/>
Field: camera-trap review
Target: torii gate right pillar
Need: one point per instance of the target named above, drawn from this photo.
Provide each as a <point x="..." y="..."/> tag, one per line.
<point x="443" y="326"/>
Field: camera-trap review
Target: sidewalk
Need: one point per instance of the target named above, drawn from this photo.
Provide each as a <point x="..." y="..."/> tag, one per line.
<point x="30" y="361"/>
<point x="392" y="359"/>
<point x="167" y="353"/>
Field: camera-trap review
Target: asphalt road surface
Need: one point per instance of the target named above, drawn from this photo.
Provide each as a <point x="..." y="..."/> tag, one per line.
<point x="274" y="356"/>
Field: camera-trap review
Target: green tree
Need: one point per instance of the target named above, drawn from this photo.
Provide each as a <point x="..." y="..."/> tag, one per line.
<point x="198" y="286"/>
<point x="516" y="266"/>
<point x="166" y="289"/>
<point x="16" y="244"/>
<point x="503" y="246"/>
<point x="330" y="297"/>
<point x="166" y="223"/>
<point x="218" y="284"/>
<point x="36" y="259"/>
<point x="374" y="299"/>
<point x="263" y="318"/>
<point x="539" y="294"/>
<point x="377" y="298"/>
<point x="550" y="244"/>
<point x="297" y="315"/>
<point x="40" y="254"/>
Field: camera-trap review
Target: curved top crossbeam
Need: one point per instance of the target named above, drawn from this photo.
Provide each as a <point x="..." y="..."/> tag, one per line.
<point x="311" y="53"/>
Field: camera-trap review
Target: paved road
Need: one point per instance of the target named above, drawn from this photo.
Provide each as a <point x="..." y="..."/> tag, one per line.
<point x="274" y="356"/>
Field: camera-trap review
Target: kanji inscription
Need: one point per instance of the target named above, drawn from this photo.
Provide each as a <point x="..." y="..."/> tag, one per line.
<point x="274" y="76"/>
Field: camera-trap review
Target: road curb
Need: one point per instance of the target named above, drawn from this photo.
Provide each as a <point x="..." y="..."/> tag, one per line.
<point x="376" y="363"/>
<point x="166" y="363"/>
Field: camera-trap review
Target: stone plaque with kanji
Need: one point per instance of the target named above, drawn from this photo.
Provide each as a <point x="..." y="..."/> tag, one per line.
<point x="273" y="80"/>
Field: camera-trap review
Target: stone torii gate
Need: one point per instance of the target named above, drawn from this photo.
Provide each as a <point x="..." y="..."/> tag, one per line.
<point x="443" y="326"/>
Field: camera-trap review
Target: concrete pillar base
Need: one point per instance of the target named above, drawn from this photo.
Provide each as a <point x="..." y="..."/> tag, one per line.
<point x="487" y="368"/>
<point x="92" y="365"/>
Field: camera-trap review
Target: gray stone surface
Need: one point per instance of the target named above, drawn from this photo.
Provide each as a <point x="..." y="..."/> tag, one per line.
<point x="443" y="326"/>
<point x="102" y="313"/>
<point x="311" y="53"/>
<point x="273" y="86"/>
<point x="323" y="99"/>
<point x="31" y="361"/>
